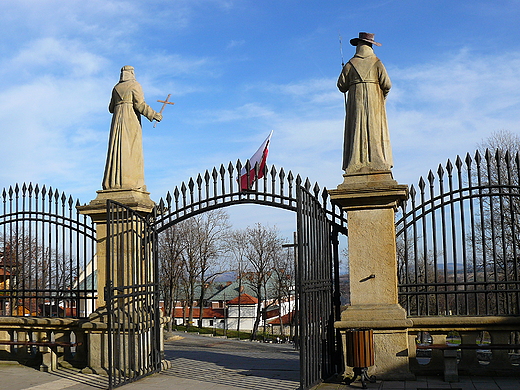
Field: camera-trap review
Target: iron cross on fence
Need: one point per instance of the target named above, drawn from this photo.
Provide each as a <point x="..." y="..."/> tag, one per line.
<point x="164" y="102"/>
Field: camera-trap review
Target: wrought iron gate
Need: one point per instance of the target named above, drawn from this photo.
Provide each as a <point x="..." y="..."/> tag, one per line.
<point x="132" y="296"/>
<point x="315" y="289"/>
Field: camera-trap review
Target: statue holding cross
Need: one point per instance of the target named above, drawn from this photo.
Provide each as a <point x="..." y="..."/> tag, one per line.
<point x="124" y="167"/>
<point x="164" y="102"/>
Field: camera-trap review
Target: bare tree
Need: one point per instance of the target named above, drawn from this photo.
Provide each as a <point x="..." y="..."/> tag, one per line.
<point x="498" y="224"/>
<point x="502" y="140"/>
<point x="284" y="283"/>
<point x="36" y="270"/>
<point x="190" y="264"/>
<point x="189" y="254"/>
<point x="211" y="230"/>
<point x="236" y="248"/>
<point x="171" y="246"/>
<point x="262" y="247"/>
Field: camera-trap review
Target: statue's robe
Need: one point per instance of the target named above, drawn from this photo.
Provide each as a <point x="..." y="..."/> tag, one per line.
<point x="124" y="167"/>
<point x="367" y="140"/>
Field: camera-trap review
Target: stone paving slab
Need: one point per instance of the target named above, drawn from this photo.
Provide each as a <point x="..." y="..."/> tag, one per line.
<point x="201" y="363"/>
<point x="17" y="377"/>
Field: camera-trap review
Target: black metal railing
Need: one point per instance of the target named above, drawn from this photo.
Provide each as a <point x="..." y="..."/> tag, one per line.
<point x="458" y="239"/>
<point x="132" y="296"/>
<point x="221" y="187"/>
<point x="47" y="255"/>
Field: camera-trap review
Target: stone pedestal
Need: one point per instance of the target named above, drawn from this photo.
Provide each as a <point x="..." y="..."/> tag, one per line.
<point x="97" y="209"/>
<point x="370" y="199"/>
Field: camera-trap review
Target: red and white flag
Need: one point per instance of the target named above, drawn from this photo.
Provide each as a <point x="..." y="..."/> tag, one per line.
<point x="259" y="157"/>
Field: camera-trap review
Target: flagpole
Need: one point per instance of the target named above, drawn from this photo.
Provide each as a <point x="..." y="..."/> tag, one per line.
<point x="342" y="66"/>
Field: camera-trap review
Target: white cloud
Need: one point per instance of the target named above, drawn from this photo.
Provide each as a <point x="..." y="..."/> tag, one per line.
<point x="51" y="89"/>
<point x="435" y="110"/>
<point x="50" y="55"/>
<point x="315" y="91"/>
<point x="59" y="66"/>
<point x="235" y="43"/>
<point x="445" y="108"/>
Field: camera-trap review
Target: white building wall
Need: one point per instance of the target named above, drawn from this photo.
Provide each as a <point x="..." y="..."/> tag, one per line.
<point x="246" y="324"/>
<point x="245" y="311"/>
<point x="247" y="317"/>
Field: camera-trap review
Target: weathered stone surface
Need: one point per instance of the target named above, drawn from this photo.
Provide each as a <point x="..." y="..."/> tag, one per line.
<point x="372" y="257"/>
<point x="124" y="167"/>
<point x="369" y="190"/>
<point x="373" y="316"/>
<point x="370" y="199"/>
<point x="136" y="199"/>
<point x="391" y="351"/>
<point x="373" y="272"/>
<point x="365" y="80"/>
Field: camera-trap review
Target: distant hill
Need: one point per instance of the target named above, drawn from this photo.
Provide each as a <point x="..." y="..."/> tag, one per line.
<point x="228" y="276"/>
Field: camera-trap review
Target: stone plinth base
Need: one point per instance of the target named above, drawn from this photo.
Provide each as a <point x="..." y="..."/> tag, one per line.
<point x="374" y="317"/>
<point x="97" y="332"/>
<point x="369" y="190"/>
<point x="389" y="324"/>
<point x="391" y="355"/>
<point x="138" y="200"/>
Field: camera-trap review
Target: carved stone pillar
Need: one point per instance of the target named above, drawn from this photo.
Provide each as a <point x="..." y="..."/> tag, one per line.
<point x="370" y="199"/>
<point x="97" y="209"/>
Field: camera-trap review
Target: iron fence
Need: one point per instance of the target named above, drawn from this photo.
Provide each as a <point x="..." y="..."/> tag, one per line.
<point x="222" y="187"/>
<point x="458" y="239"/>
<point x="47" y="253"/>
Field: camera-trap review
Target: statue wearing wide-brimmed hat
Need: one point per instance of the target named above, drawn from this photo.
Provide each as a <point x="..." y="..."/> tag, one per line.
<point x="367" y="141"/>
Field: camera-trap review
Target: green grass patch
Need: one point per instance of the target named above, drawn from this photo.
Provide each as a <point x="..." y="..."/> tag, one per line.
<point x="231" y="334"/>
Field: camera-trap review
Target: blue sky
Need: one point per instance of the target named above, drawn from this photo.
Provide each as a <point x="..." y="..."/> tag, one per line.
<point x="239" y="69"/>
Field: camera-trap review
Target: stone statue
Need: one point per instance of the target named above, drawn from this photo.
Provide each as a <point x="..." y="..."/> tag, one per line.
<point x="124" y="167"/>
<point x="367" y="141"/>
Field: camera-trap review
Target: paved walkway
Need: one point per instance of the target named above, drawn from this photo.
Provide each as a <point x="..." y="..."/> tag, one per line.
<point x="202" y="363"/>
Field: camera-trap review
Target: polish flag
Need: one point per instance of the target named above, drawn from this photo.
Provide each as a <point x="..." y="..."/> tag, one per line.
<point x="259" y="157"/>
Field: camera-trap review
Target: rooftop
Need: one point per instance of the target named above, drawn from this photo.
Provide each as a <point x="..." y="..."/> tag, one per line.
<point x="243" y="299"/>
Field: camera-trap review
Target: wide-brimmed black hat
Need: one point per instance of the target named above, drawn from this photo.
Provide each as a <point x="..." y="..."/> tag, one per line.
<point x="365" y="37"/>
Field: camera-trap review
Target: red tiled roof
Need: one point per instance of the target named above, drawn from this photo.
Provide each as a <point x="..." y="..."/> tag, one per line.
<point x="206" y="312"/>
<point x="243" y="299"/>
<point x="286" y="319"/>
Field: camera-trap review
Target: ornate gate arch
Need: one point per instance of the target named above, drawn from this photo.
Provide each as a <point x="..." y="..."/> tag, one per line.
<point x="318" y="224"/>
<point x="218" y="188"/>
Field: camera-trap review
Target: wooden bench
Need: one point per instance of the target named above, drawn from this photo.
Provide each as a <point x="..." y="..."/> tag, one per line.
<point x="47" y="348"/>
<point x="451" y="373"/>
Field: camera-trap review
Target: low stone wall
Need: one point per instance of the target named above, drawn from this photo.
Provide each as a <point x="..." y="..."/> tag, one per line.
<point x="49" y="342"/>
<point x="470" y="331"/>
<point x="88" y="339"/>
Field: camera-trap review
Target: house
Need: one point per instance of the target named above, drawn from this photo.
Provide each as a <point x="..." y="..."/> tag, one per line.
<point x="242" y="308"/>
<point x="211" y="318"/>
<point x="286" y="322"/>
<point x="87" y="282"/>
<point x="7" y="277"/>
<point x="237" y="301"/>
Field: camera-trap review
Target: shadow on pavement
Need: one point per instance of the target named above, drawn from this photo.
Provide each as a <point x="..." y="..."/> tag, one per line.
<point x="232" y="363"/>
